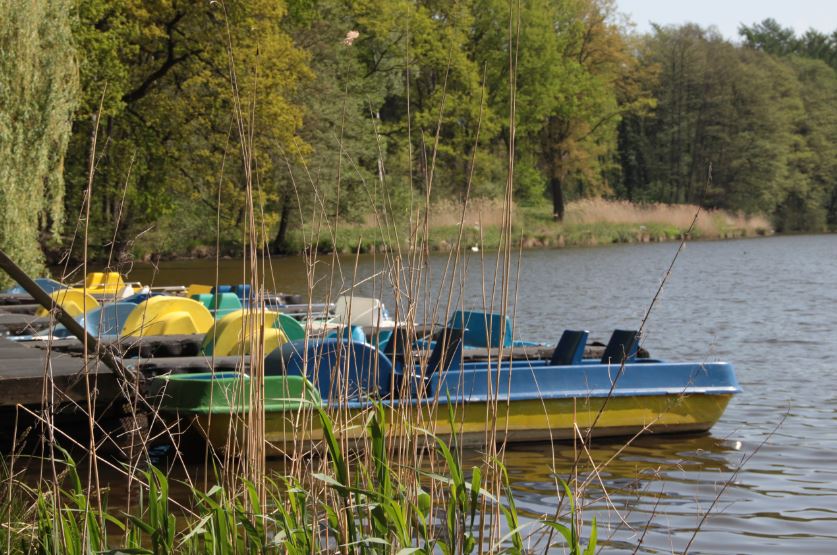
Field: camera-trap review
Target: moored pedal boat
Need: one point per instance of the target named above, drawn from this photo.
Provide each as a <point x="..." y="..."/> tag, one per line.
<point x="514" y="401"/>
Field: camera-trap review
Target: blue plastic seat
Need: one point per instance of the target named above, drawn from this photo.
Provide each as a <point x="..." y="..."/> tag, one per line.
<point x="139" y="297"/>
<point x="352" y="333"/>
<point x="48" y="285"/>
<point x="482" y="329"/>
<point x="622" y="347"/>
<point x="242" y="291"/>
<point x="447" y="350"/>
<point x="103" y="321"/>
<point x="570" y="349"/>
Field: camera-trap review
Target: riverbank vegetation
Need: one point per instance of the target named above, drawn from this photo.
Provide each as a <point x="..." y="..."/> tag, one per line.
<point x="361" y="501"/>
<point x="587" y="222"/>
<point x="370" y="107"/>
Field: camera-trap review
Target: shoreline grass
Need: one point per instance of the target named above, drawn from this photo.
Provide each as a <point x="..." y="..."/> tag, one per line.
<point x="388" y="507"/>
<point x="587" y="223"/>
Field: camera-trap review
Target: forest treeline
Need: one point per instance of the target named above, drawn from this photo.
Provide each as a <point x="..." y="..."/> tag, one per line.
<point x="344" y="106"/>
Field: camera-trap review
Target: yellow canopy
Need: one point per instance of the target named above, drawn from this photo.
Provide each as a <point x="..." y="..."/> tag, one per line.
<point x="164" y="315"/>
<point x="73" y="301"/>
<point x="231" y="335"/>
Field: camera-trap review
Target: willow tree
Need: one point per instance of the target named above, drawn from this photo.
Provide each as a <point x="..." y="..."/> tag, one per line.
<point x="38" y="84"/>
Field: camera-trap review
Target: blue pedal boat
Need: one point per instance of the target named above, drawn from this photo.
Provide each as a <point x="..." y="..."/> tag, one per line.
<point x="513" y="400"/>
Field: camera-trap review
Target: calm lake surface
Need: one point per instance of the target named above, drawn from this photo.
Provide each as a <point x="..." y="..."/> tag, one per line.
<point x="767" y="305"/>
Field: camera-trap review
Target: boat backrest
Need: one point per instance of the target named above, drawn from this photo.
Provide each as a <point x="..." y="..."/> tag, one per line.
<point x="107" y="319"/>
<point x="196" y="288"/>
<point x="204" y="298"/>
<point x="242" y="291"/>
<point x="137" y="298"/>
<point x="397" y="345"/>
<point x="293" y="329"/>
<point x="47" y="284"/>
<point x="446" y="352"/>
<point x="361" y="311"/>
<point x="340" y="370"/>
<point x="96" y="280"/>
<point x="570" y="348"/>
<point x="352" y="333"/>
<point x="218" y="301"/>
<point x="482" y="329"/>
<point x="622" y="347"/>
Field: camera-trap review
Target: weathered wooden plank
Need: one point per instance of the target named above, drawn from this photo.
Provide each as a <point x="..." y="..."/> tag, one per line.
<point x="23" y="324"/>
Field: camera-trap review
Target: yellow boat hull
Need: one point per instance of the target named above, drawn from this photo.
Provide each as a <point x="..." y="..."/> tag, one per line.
<point x="478" y="423"/>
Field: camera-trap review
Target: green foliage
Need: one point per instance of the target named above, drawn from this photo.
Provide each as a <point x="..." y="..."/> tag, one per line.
<point x="187" y="88"/>
<point x="386" y="507"/>
<point x="342" y="113"/>
<point x="759" y="121"/>
<point x="38" y="93"/>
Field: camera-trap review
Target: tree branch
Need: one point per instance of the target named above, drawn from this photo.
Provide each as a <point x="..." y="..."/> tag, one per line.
<point x="159" y="73"/>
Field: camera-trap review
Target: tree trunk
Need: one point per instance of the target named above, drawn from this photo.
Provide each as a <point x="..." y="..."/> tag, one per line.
<point x="557" y="198"/>
<point x="279" y="245"/>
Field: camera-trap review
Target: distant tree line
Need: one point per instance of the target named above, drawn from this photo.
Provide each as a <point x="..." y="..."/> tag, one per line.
<point x="345" y="106"/>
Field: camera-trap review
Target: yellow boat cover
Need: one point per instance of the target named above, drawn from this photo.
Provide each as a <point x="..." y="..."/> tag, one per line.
<point x="164" y="315"/>
<point x="74" y="301"/>
<point x="228" y="337"/>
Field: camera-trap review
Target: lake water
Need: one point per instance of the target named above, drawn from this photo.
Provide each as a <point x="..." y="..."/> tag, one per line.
<point x="767" y="305"/>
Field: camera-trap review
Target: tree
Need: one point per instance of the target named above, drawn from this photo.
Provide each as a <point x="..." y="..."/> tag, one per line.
<point x="186" y="88"/>
<point x="38" y="85"/>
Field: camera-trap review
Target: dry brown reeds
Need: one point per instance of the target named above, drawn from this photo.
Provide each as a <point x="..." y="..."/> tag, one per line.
<point x="710" y="223"/>
<point x="484" y="212"/>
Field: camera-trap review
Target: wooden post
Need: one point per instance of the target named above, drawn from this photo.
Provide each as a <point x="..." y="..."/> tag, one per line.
<point x="104" y="352"/>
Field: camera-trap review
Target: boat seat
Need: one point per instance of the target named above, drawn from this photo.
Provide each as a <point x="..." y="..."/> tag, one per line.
<point x="48" y="285"/>
<point x="334" y="364"/>
<point x="291" y="326"/>
<point x="482" y="329"/>
<point x="570" y="348"/>
<point x="396" y="346"/>
<point x="446" y="350"/>
<point x="351" y="333"/>
<point x="361" y="311"/>
<point x="622" y="347"/>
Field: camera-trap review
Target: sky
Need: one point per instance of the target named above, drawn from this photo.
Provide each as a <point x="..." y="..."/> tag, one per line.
<point x="727" y="15"/>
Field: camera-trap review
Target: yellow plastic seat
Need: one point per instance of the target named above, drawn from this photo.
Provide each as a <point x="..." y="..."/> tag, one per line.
<point x="229" y="338"/>
<point x="73" y="301"/>
<point x="103" y="284"/>
<point x="168" y="316"/>
<point x="197" y="289"/>
<point x="94" y="279"/>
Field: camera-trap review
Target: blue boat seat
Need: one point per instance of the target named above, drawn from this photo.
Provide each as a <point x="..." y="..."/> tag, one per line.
<point x="242" y="291"/>
<point x="570" y="348"/>
<point x="332" y="364"/>
<point x="103" y="321"/>
<point x="396" y="346"/>
<point x="482" y="329"/>
<point x="48" y="285"/>
<point x="622" y="347"/>
<point x="138" y="298"/>
<point x="446" y="350"/>
<point x="353" y="333"/>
